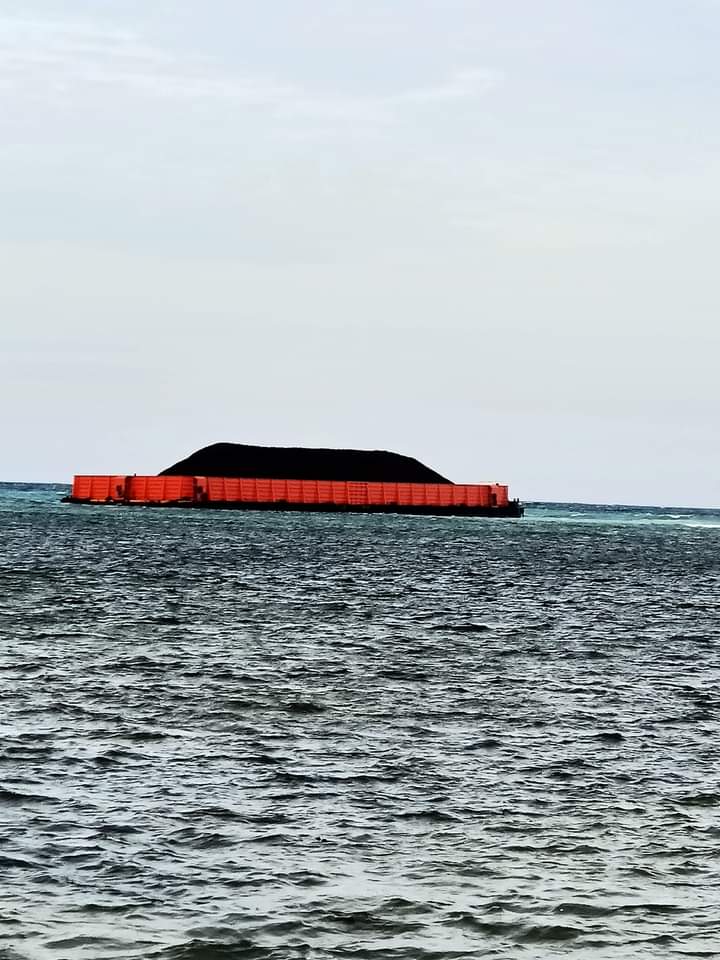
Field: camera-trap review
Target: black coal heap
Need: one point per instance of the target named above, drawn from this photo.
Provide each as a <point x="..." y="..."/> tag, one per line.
<point x="302" y="463"/>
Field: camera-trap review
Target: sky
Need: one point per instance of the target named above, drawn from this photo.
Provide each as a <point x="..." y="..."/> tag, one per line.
<point x="479" y="233"/>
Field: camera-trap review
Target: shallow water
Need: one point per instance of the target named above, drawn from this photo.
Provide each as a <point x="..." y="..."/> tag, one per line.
<point x="229" y="735"/>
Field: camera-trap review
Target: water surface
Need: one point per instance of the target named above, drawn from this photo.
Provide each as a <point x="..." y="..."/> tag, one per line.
<point x="237" y="735"/>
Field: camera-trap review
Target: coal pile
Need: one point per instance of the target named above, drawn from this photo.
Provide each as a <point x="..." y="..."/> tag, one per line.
<point x="303" y="463"/>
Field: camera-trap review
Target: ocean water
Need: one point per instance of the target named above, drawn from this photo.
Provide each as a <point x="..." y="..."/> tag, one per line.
<point x="237" y="735"/>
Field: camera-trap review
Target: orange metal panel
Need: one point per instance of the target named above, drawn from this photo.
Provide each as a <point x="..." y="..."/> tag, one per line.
<point x="374" y="493"/>
<point x="404" y="494"/>
<point x="215" y="489"/>
<point x="431" y="494"/>
<point x="478" y="495"/>
<point x="339" y="491"/>
<point x="445" y="494"/>
<point x="263" y="490"/>
<point x="307" y="491"/>
<point x="118" y="487"/>
<point x="325" y="491"/>
<point x="296" y="492"/>
<point x="357" y="493"/>
<point x="417" y="495"/>
<point x="458" y="495"/>
<point x="389" y="491"/>
<point x="176" y="488"/>
<point x="155" y="492"/>
<point x="136" y="488"/>
<point x="180" y="489"/>
<point x="103" y="489"/>
<point x="279" y="490"/>
<point x="501" y="494"/>
<point x="232" y="490"/>
<point x="248" y="490"/>
<point x="96" y="488"/>
<point x="81" y="487"/>
<point x="472" y="495"/>
<point x="100" y="488"/>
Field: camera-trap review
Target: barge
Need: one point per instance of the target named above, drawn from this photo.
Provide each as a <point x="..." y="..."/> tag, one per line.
<point x="379" y="482"/>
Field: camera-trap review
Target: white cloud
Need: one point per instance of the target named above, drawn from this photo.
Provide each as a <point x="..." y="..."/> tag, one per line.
<point x="40" y="57"/>
<point x="37" y="56"/>
<point x="461" y="85"/>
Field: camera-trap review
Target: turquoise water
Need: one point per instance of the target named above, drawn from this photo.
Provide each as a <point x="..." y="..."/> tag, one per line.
<point x="622" y="515"/>
<point x="282" y="735"/>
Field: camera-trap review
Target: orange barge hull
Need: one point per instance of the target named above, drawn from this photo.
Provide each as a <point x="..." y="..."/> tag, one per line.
<point x="455" y="499"/>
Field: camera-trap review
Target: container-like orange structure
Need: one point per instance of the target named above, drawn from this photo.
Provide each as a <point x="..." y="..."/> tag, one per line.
<point x="240" y="493"/>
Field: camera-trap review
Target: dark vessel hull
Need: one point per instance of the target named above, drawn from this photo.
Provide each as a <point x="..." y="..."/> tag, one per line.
<point x="511" y="509"/>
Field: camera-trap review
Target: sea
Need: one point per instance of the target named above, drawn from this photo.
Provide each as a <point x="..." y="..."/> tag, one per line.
<point x="278" y="736"/>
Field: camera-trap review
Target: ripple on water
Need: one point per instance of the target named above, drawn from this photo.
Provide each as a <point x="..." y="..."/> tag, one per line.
<point x="278" y="736"/>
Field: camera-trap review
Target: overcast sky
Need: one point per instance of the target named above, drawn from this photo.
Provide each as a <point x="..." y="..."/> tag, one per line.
<point x="480" y="233"/>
